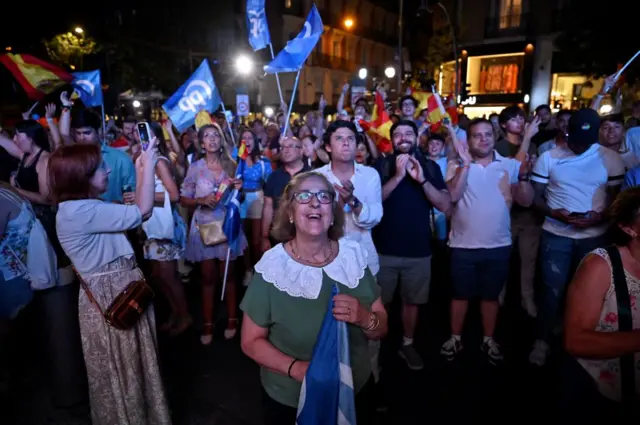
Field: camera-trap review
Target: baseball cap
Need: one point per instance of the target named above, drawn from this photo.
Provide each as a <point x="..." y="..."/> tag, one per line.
<point x="584" y="125"/>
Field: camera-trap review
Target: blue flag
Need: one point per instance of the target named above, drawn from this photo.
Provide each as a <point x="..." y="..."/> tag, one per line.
<point x="198" y="93"/>
<point x="297" y="51"/>
<point x="89" y="87"/>
<point x="232" y="219"/>
<point x="327" y="395"/>
<point x="257" y="26"/>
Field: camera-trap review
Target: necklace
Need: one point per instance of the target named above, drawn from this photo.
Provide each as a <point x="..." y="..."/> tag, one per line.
<point x="315" y="263"/>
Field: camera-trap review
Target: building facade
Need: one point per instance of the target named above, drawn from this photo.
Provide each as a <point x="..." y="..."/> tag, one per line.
<point x="507" y="57"/>
<point x="358" y="34"/>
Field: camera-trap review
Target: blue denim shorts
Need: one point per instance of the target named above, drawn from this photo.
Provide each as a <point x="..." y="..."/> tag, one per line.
<point x="479" y="273"/>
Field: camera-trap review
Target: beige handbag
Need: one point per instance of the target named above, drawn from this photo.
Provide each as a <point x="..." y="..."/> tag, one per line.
<point x="211" y="233"/>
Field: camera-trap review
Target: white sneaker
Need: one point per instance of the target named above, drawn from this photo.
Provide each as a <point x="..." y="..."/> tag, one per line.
<point x="539" y="354"/>
<point x="247" y="278"/>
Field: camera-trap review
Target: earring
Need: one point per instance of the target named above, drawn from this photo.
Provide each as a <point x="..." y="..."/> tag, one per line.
<point x="331" y="222"/>
<point x="291" y="220"/>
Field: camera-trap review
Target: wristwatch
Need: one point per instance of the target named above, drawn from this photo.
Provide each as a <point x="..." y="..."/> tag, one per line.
<point x="354" y="203"/>
<point x="524" y="178"/>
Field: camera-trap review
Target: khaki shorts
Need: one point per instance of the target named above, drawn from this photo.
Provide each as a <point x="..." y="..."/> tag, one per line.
<point x="412" y="274"/>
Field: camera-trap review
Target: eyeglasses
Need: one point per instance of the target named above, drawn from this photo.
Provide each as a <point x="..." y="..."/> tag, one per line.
<point x="291" y="147"/>
<point x="305" y="196"/>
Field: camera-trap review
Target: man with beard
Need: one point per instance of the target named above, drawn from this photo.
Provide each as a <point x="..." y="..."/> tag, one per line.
<point x="411" y="186"/>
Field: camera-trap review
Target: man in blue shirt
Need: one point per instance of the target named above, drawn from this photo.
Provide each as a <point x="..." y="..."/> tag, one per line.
<point x="85" y="125"/>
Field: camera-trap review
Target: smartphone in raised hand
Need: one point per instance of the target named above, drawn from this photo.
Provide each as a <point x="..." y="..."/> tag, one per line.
<point x="144" y="131"/>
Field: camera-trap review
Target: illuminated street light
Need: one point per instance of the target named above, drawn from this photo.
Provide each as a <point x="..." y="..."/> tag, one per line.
<point x="244" y="65"/>
<point x="348" y="23"/>
<point x="268" y="111"/>
<point x="136" y="103"/>
<point x="79" y="30"/>
<point x="362" y="74"/>
<point x="390" y="72"/>
<point x="605" y="109"/>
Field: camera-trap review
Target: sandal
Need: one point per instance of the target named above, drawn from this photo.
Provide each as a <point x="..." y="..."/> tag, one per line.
<point x="207" y="334"/>
<point x="231" y="330"/>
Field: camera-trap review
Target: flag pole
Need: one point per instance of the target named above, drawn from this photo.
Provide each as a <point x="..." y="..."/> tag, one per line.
<point x="226" y="271"/>
<point x="104" y="125"/>
<point x="293" y="96"/>
<point x="277" y="76"/>
<point x="233" y="139"/>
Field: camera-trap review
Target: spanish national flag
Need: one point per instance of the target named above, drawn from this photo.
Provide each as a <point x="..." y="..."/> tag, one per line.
<point x="243" y="152"/>
<point x="380" y="126"/>
<point x="36" y="77"/>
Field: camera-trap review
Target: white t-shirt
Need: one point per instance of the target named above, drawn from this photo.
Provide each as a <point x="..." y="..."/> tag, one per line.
<point x="578" y="183"/>
<point x="91" y="232"/>
<point x="481" y="218"/>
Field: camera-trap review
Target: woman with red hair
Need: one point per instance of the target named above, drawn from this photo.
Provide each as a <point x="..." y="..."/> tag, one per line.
<point x="125" y="386"/>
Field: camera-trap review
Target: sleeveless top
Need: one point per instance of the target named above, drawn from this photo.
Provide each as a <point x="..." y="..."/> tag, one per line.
<point x="15" y="239"/>
<point x="27" y="176"/>
<point x="606" y="372"/>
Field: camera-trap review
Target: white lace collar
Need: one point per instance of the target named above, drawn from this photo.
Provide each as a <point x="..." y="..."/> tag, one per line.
<point x="298" y="280"/>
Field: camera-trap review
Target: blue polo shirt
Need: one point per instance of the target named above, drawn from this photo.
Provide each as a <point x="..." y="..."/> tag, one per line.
<point x="123" y="172"/>
<point x="405" y="229"/>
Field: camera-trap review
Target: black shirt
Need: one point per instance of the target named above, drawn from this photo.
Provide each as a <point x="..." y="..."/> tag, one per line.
<point x="405" y="229"/>
<point x="277" y="181"/>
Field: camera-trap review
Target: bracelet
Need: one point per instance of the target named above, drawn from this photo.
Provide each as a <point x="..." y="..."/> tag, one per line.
<point x="375" y="322"/>
<point x="524" y="178"/>
<point x="291" y="367"/>
<point x="423" y="182"/>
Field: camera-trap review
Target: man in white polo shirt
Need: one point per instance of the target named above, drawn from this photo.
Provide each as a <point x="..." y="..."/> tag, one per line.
<point x="483" y="185"/>
<point x="574" y="184"/>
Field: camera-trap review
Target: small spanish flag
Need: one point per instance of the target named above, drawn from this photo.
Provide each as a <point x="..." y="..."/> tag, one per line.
<point x="36" y="77"/>
<point x="243" y="152"/>
<point x="380" y="125"/>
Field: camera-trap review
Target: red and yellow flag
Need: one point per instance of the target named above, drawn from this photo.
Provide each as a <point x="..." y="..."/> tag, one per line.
<point x="36" y="77"/>
<point x="243" y="152"/>
<point x="380" y="126"/>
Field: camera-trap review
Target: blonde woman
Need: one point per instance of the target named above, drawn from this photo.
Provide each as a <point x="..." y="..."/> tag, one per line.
<point x="288" y="297"/>
<point x="203" y="189"/>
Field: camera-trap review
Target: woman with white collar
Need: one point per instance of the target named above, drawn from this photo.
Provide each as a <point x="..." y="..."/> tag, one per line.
<point x="287" y="299"/>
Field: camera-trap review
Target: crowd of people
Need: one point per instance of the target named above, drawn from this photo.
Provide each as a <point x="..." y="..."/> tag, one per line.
<point x="84" y="215"/>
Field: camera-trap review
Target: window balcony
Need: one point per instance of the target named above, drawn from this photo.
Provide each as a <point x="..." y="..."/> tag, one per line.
<point x="516" y="24"/>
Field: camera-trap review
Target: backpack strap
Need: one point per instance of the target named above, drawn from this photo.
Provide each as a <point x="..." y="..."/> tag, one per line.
<point x="625" y="324"/>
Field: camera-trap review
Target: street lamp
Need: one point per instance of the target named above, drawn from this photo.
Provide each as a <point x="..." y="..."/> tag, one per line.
<point x="390" y="72"/>
<point x="268" y="111"/>
<point x="244" y="65"/>
<point x="348" y="23"/>
<point x="136" y="103"/>
<point x="79" y="30"/>
<point x="362" y="74"/>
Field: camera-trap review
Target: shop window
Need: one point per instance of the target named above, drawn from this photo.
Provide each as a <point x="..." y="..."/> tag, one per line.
<point x="497" y="74"/>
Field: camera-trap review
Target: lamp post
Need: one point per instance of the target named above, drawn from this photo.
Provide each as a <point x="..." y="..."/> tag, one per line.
<point x="400" y="56"/>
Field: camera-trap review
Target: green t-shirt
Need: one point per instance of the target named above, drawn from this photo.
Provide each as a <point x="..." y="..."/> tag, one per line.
<point x="294" y="324"/>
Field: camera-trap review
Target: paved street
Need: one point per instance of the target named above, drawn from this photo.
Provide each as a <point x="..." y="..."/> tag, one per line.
<point x="218" y="385"/>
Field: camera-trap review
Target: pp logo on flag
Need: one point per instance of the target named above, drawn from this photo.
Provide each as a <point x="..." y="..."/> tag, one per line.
<point x="196" y="94"/>
<point x="86" y="86"/>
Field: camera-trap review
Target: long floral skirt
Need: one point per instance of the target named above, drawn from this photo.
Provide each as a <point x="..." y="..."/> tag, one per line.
<point x="125" y="386"/>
